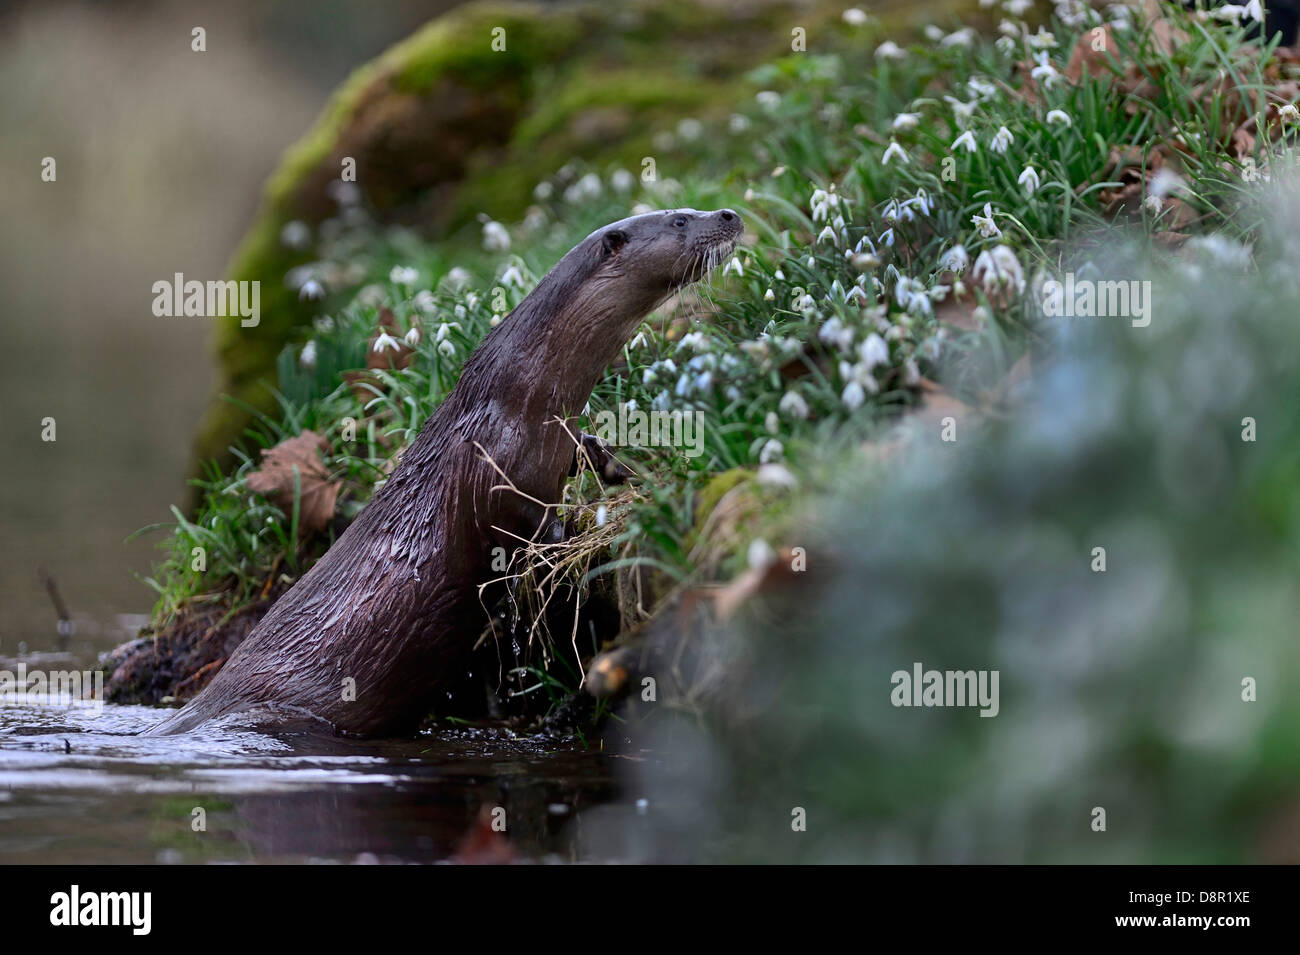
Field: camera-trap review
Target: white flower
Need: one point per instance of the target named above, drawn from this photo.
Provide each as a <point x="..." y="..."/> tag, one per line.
<point x="1001" y="140"/>
<point x="1226" y="12"/>
<point x="854" y="17"/>
<point x="621" y="180"/>
<point x="308" y="357"/>
<point x="999" y="267"/>
<point x="1029" y="179"/>
<point x="458" y="276"/>
<point x="963" y="37"/>
<point x="425" y="301"/>
<point x="889" y="50"/>
<point x="760" y="554"/>
<point x="447" y="348"/>
<point x="961" y="112"/>
<point x="955" y="259"/>
<point x="793" y="405"/>
<point x="1017" y="8"/>
<point x="873" y="351"/>
<point x="386" y="342"/>
<point x="1290" y="113"/>
<point x="853" y="395"/>
<point x="906" y="121"/>
<point x="311" y="291"/>
<point x="827" y="235"/>
<point x="296" y="234"/>
<point x="966" y="140"/>
<point x="495" y="237"/>
<point x="981" y="89"/>
<point x="1042" y="40"/>
<point x="769" y="296"/>
<point x="1165" y="182"/>
<point x="734" y="266"/>
<point x="1006" y="45"/>
<point x="894" y="150"/>
<point x="773" y="450"/>
<point x="776" y="475"/>
<point x="1009" y="29"/>
<point x="1059" y="116"/>
<point x="513" y="276"/>
<point x="988" y="228"/>
<point x="1255" y="11"/>
<point x="1153" y="204"/>
<point x="403" y="275"/>
<point x="543" y="191"/>
<point x="768" y="99"/>
<point x="737" y="123"/>
<point x="1044" y="70"/>
<point x="412" y="337"/>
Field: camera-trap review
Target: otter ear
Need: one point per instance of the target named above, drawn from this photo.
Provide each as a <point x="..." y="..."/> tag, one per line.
<point x="613" y="241"/>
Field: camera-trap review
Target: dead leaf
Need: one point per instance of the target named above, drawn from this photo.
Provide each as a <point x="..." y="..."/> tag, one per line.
<point x="275" y="479"/>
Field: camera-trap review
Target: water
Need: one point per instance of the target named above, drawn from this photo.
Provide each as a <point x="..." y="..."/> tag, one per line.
<point x="76" y="787"/>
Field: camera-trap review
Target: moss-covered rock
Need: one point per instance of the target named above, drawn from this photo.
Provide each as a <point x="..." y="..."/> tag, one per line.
<point x="443" y="127"/>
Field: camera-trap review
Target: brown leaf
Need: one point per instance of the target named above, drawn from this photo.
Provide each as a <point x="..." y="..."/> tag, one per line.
<point x="275" y="479"/>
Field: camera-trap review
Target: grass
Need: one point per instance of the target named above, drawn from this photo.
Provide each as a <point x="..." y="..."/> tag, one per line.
<point x="882" y="251"/>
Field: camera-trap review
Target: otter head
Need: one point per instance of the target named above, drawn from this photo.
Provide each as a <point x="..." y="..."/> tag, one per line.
<point x="656" y="253"/>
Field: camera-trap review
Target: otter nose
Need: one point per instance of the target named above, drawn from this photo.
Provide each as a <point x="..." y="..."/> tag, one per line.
<point x="726" y="215"/>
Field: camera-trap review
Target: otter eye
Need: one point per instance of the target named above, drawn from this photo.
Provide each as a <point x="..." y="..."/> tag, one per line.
<point x="680" y="222"/>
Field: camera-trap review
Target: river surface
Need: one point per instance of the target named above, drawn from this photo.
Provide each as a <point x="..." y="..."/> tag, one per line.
<point x="78" y="785"/>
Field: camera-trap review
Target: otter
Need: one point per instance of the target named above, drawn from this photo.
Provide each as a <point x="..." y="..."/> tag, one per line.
<point x="364" y="639"/>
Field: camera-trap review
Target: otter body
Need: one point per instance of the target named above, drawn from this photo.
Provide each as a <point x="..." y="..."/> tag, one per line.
<point x="392" y="608"/>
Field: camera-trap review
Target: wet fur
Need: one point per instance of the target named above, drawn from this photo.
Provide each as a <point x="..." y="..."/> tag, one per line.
<point x="394" y="603"/>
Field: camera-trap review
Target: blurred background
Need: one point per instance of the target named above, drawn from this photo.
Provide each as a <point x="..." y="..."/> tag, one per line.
<point x="161" y="153"/>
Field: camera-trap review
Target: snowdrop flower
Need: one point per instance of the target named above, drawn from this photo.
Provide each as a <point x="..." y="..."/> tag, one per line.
<point x="921" y="201"/>
<point x="311" y="291"/>
<point x="425" y="301"/>
<point x="853" y="396"/>
<point x="1059" y="116"/>
<point x="827" y="235"/>
<point x="444" y="330"/>
<point x="1042" y="40"/>
<point x="1006" y="45"/>
<point x="458" y="276"/>
<point x="793" y="405"/>
<point x="543" y="191"/>
<point x="966" y="140"/>
<point x="412" y="337"/>
<point x="887" y="238"/>
<point x="768" y="99"/>
<point x="495" y="237"/>
<point x="695" y="341"/>
<point x="999" y="267"/>
<point x="1227" y="12"/>
<point x="689" y="129"/>
<point x="386" y="342"/>
<point x="760" y="555"/>
<point x="988" y="228"/>
<point x="854" y="17"/>
<point x="773" y="450"/>
<point x="737" y="123"/>
<point x="873" y="352"/>
<point x="1255" y="11"/>
<point x="308" y="357"/>
<point x="889" y="50"/>
<point x="734" y="266"/>
<point x="1153" y="204"/>
<point x="1001" y="140"/>
<point x="621" y="180"/>
<point x="835" y="333"/>
<point x="955" y="259"/>
<point x="296" y="234"/>
<point x="981" y="89"/>
<point x="447" y="349"/>
<point x="1009" y="29"/>
<point x="513" y="276"/>
<point x="1164" y="182"/>
<point x="963" y="37"/>
<point x="1029" y="179"/>
<point x="769" y="296"/>
<point x="961" y="112"/>
<point x="905" y="121"/>
<point x="1044" y="70"/>
<point x="893" y="151"/>
<point x="1017" y="8"/>
<point x="776" y="476"/>
<point x="403" y="275"/>
<point x="1289" y="113"/>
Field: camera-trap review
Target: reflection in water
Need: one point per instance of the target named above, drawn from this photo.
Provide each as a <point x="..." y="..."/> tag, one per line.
<point x="81" y="788"/>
